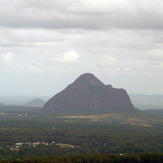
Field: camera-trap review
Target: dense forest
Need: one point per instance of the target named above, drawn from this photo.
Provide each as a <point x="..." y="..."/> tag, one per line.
<point x="27" y="134"/>
<point x="94" y="158"/>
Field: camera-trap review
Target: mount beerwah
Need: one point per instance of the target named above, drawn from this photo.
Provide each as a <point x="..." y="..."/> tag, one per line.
<point x="87" y="94"/>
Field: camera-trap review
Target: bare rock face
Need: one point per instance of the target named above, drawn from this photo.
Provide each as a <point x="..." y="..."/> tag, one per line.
<point x="89" y="94"/>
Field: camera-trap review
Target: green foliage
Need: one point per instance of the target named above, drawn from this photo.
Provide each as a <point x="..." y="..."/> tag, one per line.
<point x="92" y="137"/>
<point x="97" y="158"/>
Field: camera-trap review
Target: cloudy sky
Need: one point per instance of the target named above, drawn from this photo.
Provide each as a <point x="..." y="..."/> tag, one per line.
<point x="46" y="44"/>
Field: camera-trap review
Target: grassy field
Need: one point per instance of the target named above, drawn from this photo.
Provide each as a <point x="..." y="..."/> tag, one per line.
<point x="122" y="119"/>
<point x="79" y="134"/>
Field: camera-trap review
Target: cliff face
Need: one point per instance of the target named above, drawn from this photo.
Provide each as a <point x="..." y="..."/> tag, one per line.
<point x="86" y="94"/>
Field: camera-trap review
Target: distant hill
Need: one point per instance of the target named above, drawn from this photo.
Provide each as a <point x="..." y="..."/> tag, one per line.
<point x="35" y="103"/>
<point x="20" y="109"/>
<point x="147" y="102"/>
<point x="155" y="111"/>
<point x="89" y="94"/>
<point x="1" y="104"/>
<point x="19" y="100"/>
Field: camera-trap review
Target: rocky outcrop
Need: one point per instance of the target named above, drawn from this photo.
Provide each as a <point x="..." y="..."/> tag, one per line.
<point x="89" y="94"/>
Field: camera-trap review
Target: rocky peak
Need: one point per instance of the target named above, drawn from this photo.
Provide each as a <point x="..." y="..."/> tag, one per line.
<point x="89" y="79"/>
<point x="89" y="94"/>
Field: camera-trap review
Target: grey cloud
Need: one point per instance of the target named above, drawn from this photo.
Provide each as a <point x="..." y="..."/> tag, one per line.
<point x="77" y="14"/>
<point x="120" y="41"/>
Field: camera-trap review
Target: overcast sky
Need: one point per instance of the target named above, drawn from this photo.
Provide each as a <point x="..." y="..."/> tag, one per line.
<point x="46" y="44"/>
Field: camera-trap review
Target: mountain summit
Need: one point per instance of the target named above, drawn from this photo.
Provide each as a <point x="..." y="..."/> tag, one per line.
<point x="89" y="94"/>
<point x="88" y="79"/>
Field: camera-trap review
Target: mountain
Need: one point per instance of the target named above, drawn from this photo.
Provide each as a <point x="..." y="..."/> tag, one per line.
<point x="19" y="100"/>
<point x="89" y="94"/>
<point x="1" y="104"/>
<point x="147" y="102"/>
<point x="35" y="103"/>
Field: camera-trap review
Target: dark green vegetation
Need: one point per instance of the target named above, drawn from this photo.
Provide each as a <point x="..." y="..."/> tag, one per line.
<point x="95" y="158"/>
<point x="57" y="135"/>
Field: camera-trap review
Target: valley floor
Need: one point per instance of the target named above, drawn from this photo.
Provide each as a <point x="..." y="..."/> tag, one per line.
<point x="27" y="134"/>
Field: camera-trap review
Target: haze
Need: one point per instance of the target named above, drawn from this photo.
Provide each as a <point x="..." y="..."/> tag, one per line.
<point x="46" y="45"/>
